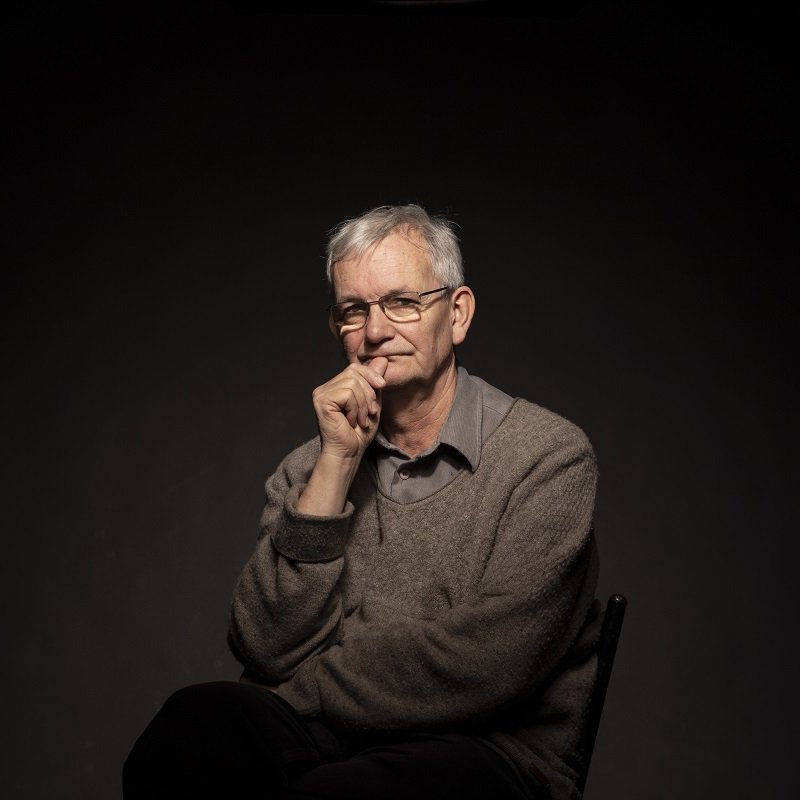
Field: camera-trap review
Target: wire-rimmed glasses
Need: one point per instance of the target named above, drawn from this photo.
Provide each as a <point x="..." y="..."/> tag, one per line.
<point x="351" y="315"/>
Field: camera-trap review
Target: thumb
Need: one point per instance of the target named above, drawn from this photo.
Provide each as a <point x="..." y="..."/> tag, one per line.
<point x="379" y="364"/>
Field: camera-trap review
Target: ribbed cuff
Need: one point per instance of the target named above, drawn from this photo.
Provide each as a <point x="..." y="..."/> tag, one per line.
<point x="306" y="537"/>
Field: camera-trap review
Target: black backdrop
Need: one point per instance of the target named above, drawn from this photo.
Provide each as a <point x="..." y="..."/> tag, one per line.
<point x="621" y="176"/>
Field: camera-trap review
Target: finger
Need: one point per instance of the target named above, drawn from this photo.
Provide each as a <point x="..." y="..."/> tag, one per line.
<point x="350" y="399"/>
<point x="372" y="374"/>
<point x="350" y="394"/>
<point x="379" y="364"/>
<point x="363" y="402"/>
<point x="374" y="377"/>
<point x="357" y="401"/>
<point x="366" y="385"/>
<point x="371" y="409"/>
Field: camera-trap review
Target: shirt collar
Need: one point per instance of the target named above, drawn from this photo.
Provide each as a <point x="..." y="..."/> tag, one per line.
<point x="462" y="428"/>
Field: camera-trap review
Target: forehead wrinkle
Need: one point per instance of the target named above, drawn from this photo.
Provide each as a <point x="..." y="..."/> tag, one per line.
<point x="406" y="233"/>
<point x="398" y="246"/>
<point x="376" y="277"/>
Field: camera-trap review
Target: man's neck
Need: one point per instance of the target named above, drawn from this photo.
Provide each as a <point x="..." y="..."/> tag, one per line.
<point x="411" y="420"/>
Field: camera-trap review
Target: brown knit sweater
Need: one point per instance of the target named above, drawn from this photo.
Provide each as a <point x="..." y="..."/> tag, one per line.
<point x="472" y="609"/>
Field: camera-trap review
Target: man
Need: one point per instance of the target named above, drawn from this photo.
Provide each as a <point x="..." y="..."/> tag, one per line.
<point x="418" y="616"/>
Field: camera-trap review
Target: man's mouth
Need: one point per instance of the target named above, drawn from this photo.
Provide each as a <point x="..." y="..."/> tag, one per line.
<point x="389" y="357"/>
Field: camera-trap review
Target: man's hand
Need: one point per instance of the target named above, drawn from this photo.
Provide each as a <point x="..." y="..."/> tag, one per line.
<point x="348" y="408"/>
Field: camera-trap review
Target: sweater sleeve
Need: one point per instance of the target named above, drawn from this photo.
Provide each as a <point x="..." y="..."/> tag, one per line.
<point x="503" y="642"/>
<point x="286" y="605"/>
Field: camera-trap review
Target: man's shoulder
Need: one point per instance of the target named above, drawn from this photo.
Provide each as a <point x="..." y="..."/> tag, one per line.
<point x="518" y="420"/>
<point x="530" y="423"/>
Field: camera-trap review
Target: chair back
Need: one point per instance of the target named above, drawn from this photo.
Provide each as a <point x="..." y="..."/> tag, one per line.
<point x="606" y="650"/>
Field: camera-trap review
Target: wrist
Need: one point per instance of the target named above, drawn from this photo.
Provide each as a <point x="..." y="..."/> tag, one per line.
<point x="325" y="493"/>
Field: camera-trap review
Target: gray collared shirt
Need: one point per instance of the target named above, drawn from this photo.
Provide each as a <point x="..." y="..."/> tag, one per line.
<point x="477" y="410"/>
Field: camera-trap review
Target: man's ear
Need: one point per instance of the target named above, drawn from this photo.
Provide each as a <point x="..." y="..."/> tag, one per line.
<point x="462" y="309"/>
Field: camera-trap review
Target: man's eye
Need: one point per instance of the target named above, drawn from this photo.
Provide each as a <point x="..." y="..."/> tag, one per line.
<point x="352" y="312"/>
<point x="402" y="301"/>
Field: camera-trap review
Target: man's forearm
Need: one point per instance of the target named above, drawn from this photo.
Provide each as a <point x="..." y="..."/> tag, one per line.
<point x="326" y="492"/>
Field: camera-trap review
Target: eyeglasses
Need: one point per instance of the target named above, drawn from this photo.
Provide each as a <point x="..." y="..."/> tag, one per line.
<point x="351" y="315"/>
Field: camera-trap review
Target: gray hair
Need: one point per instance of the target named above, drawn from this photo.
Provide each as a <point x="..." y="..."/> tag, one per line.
<point x="353" y="237"/>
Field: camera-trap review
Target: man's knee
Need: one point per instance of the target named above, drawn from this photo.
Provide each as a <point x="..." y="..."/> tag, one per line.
<point x="217" y="736"/>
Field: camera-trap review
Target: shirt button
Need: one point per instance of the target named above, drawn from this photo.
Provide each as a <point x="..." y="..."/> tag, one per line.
<point x="403" y="473"/>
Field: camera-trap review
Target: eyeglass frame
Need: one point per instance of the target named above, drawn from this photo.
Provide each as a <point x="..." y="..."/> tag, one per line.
<point x="379" y="302"/>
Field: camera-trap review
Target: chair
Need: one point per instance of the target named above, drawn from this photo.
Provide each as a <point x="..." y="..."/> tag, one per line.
<point x="606" y="650"/>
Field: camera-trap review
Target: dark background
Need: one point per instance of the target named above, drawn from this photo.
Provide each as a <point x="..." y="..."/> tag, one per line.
<point x="621" y="174"/>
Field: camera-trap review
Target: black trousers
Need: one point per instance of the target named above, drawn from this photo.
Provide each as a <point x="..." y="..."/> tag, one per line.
<point x="232" y="740"/>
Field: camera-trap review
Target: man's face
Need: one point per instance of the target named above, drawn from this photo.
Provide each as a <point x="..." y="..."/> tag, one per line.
<point x="417" y="351"/>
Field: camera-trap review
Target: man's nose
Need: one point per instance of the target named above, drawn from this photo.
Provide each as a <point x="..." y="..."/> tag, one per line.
<point x="378" y="325"/>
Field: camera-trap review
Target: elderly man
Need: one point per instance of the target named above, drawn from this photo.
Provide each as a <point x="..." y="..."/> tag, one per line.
<point x="418" y="616"/>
